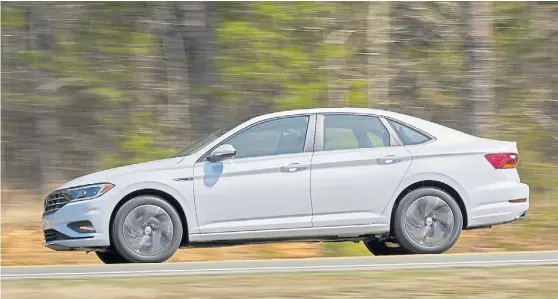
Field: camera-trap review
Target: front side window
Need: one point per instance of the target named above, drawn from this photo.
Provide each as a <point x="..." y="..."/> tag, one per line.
<point x="354" y="131"/>
<point x="274" y="137"/>
<point x="408" y="135"/>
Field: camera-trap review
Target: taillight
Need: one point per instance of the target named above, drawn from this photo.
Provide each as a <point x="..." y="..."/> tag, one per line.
<point x="503" y="160"/>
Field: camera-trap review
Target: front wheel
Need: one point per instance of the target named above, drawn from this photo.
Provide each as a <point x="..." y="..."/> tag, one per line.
<point x="146" y="229"/>
<point x="427" y="221"/>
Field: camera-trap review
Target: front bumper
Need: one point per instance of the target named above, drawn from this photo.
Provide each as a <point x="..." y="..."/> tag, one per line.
<point x="62" y="237"/>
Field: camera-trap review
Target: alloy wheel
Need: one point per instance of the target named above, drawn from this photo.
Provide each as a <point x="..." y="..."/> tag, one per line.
<point x="148" y="230"/>
<point x="429" y="221"/>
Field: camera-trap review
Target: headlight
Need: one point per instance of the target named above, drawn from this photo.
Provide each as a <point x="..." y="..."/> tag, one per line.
<point x="88" y="192"/>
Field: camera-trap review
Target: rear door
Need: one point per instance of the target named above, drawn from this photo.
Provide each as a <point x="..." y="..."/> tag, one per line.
<point x="356" y="168"/>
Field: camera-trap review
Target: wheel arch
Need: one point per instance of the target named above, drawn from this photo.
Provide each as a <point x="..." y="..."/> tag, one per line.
<point x="153" y="192"/>
<point x="434" y="184"/>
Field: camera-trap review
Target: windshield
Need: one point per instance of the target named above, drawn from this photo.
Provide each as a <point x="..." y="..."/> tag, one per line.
<point x="196" y="146"/>
<point x="201" y="143"/>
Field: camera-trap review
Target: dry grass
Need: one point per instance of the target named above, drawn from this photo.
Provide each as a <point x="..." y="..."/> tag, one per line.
<point x="458" y="283"/>
<point x="22" y="242"/>
<point x="22" y="239"/>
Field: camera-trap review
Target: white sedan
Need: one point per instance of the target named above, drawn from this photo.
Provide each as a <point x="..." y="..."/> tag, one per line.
<point x="398" y="183"/>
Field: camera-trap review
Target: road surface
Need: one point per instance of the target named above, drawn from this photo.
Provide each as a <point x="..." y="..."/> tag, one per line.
<point x="284" y="266"/>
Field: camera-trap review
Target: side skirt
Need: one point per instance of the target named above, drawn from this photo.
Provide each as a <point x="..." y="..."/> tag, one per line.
<point x="317" y="234"/>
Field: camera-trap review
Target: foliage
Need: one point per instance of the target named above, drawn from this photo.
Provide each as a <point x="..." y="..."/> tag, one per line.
<point x="94" y="85"/>
<point x="275" y="52"/>
<point x="138" y="143"/>
<point x="106" y="80"/>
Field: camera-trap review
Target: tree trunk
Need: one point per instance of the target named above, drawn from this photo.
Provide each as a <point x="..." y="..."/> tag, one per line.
<point x="198" y="33"/>
<point x="177" y="111"/>
<point x="378" y="35"/>
<point x="46" y="125"/>
<point x="546" y="76"/>
<point x="337" y="87"/>
<point x="481" y="94"/>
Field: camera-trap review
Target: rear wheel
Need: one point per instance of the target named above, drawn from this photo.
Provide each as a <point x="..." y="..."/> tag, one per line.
<point x="427" y="220"/>
<point x="146" y="229"/>
<point x="110" y="257"/>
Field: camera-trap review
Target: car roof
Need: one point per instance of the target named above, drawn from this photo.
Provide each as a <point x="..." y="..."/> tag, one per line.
<point x="398" y="116"/>
<point x="322" y="110"/>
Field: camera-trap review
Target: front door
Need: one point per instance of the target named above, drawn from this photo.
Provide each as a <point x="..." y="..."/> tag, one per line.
<point x="265" y="186"/>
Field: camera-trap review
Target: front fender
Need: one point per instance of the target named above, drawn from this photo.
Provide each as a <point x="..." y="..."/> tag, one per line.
<point x="184" y="198"/>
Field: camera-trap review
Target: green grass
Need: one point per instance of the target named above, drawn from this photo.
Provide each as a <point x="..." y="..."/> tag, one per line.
<point x="334" y="249"/>
<point x="489" y="283"/>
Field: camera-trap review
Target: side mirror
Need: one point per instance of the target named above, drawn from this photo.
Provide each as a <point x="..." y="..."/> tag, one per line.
<point x="222" y="152"/>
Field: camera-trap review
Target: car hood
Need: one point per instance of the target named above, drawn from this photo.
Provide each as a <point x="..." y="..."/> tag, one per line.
<point x="107" y="176"/>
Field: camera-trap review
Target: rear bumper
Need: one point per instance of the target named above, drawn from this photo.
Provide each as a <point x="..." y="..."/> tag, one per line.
<point x="496" y="208"/>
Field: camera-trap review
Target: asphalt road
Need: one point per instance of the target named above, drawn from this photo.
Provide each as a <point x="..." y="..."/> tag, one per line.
<point x="284" y="266"/>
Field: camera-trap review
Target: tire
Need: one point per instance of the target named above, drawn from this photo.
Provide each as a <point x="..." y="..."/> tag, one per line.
<point x="110" y="257"/>
<point x="427" y="221"/>
<point x="379" y="248"/>
<point x="146" y="229"/>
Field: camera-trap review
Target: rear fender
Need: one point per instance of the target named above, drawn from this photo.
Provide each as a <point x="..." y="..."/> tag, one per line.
<point x="421" y="177"/>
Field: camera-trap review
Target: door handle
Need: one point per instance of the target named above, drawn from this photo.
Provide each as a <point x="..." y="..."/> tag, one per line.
<point x="293" y="167"/>
<point x="389" y="159"/>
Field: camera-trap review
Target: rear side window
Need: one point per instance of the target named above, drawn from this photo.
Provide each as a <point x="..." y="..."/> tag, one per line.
<point x="354" y="131"/>
<point x="408" y="135"/>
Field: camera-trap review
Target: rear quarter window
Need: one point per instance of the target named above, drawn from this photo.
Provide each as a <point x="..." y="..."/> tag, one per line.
<point x="408" y="135"/>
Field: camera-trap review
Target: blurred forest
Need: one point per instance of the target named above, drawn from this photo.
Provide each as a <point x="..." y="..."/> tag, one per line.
<point x="92" y="85"/>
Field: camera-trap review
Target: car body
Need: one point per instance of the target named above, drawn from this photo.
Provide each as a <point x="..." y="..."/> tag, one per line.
<point x="315" y="174"/>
